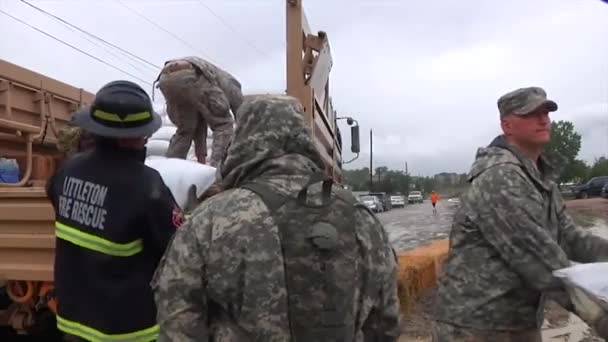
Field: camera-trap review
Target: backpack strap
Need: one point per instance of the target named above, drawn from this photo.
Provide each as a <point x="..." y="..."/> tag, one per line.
<point x="272" y="200"/>
<point x="326" y="192"/>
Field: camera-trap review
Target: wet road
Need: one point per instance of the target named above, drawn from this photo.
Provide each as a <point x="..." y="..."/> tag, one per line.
<point x="416" y="224"/>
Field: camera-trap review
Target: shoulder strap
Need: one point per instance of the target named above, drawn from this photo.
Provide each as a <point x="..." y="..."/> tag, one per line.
<point x="315" y="178"/>
<point x="272" y="200"/>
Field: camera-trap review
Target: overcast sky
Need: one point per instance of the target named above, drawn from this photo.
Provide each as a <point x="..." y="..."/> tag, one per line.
<point x="424" y="75"/>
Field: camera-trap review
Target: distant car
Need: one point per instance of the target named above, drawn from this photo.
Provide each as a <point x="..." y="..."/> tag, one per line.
<point x="384" y="198"/>
<point x="454" y="201"/>
<point x="397" y="201"/>
<point x="372" y="202"/>
<point x="415" y="197"/>
<point x="592" y="188"/>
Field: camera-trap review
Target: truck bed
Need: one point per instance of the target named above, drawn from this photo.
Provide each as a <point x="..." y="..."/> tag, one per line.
<point x="27" y="234"/>
<point x="33" y="107"/>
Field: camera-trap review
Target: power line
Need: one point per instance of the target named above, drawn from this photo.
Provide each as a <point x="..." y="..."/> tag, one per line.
<point x="106" y="49"/>
<point x="227" y="24"/>
<point x="162" y="29"/>
<point x="72" y="46"/>
<point x="147" y="63"/>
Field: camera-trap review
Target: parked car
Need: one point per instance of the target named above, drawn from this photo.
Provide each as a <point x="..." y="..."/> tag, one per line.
<point x="384" y="198"/>
<point x="592" y="188"/>
<point x="415" y="197"/>
<point x="454" y="201"/>
<point x="372" y="202"/>
<point x="604" y="193"/>
<point x="397" y="201"/>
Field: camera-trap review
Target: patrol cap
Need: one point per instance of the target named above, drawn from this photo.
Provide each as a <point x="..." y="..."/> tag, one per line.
<point x="121" y="109"/>
<point x="524" y="101"/>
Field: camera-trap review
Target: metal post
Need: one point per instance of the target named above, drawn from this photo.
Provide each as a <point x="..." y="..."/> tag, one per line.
<point x="371" y="163"/>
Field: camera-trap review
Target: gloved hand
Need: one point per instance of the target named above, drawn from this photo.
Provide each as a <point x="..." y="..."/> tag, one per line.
<point x="601" y="327"/>
<point x="589" y="311"/>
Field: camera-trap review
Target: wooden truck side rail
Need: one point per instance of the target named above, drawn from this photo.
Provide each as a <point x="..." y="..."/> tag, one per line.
<point x="33" y="108"/>
<point x="309" y="63"/>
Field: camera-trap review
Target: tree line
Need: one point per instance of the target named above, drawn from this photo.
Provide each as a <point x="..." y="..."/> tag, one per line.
<point x="564" y="149"/>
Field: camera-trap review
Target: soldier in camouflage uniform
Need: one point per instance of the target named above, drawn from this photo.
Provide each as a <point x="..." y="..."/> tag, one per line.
<point x="199" y="94"/>
<point x="510" y="233"/>
<point x="72" y="139"/>
<point x="227" y="277"/>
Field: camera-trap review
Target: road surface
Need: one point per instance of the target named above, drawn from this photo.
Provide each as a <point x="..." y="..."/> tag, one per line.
<point x="416" y="224"/>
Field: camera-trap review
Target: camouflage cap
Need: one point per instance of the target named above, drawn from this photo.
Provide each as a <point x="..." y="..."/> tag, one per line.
<point x="524" y="101"/>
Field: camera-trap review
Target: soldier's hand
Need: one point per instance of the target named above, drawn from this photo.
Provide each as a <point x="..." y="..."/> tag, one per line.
<point x="601" y="327"/>
<point x="585" y="307"/>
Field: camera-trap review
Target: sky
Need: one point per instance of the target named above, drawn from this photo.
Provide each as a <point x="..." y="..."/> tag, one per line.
<point x="423" y="75"/>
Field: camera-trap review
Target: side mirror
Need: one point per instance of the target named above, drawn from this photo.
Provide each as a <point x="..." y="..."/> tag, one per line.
<point x="354" y="139"/>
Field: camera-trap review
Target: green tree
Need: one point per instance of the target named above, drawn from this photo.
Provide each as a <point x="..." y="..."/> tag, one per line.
<point x="564" y="147"/>
<point x="599" y="168"/>
<point x="577" y="171"/>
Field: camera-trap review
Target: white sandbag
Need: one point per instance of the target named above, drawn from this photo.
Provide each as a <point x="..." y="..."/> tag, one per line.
<point x="156" y="148"/>
<point x="180" y="174"/>
<point x="164" y="133"/>
<point x="592" y="278"/>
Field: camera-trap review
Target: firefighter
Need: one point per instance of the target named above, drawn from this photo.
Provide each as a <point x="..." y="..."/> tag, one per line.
<point x="114" y="218"/>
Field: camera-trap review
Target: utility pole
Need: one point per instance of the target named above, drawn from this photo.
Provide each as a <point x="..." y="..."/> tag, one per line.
<point x="371" y="162"/>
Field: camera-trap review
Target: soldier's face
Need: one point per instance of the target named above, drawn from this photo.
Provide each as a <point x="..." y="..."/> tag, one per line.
<point x="532" y="129"/>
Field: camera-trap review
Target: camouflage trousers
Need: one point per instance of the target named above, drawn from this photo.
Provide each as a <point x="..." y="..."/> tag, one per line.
<point x="193" y="105"/>
<point x="444" y="332"/>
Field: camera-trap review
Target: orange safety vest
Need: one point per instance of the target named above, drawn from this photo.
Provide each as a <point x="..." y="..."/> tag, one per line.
<point x="434" y="197"/>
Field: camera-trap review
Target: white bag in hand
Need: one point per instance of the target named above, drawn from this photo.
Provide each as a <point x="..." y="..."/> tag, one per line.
<point x="179" y="175"/>
<point x="589" y="280"/>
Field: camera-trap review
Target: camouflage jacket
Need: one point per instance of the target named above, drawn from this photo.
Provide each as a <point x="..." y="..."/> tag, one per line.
<point x="222" y="278"/>
<point x="509" y="234"/>
<point x="220" y="78"/>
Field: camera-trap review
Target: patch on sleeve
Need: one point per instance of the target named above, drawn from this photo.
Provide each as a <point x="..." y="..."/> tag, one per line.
<point x="178" y="217"/>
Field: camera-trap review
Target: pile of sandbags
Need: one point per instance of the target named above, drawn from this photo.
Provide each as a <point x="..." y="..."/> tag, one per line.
<point x="418" y="271"/>
<point x="180" y="174"/>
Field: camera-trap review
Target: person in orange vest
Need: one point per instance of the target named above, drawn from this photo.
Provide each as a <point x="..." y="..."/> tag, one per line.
<point x="434" y="200"/>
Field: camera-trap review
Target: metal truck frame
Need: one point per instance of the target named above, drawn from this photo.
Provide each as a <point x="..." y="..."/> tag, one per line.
<point x="34" y="107"/>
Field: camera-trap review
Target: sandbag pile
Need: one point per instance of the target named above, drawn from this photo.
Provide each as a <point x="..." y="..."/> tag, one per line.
<point x="418" y="271"/>
<point x="179" y="175"/>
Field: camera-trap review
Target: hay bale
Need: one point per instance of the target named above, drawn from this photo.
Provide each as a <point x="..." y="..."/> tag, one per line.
<point x="418" y="271"/>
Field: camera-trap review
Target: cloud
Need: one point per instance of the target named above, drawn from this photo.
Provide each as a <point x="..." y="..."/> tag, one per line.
<point x="423" y="75"/>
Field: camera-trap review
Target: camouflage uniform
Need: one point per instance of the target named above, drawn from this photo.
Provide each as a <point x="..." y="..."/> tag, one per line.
<point x="68" y="140"/>
<point x="223" y="277"/>
<point x="198" y="95"/>
<point x="72" y="139"/>
<point x="508" y="236"/>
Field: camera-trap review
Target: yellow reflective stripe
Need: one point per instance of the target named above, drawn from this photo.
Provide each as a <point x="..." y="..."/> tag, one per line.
<point x="96" y="243"/>
<point x="114" y="117"/>
<point x="94" y="335"/>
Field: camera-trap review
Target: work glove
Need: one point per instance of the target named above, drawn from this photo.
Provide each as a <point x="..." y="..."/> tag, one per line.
<point x="601" y="327"/>
<point x="589" y="311"/>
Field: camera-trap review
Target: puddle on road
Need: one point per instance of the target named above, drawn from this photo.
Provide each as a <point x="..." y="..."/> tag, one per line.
<point x="416" y="226"/>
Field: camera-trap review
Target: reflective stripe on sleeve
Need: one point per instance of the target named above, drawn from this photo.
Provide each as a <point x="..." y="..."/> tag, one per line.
<point x="94" y="335"/>
<point x="96" y="243"/>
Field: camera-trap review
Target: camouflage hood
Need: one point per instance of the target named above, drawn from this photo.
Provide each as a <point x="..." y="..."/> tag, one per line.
<point x="271" y="139"/>
<point x="500" y="152"/>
